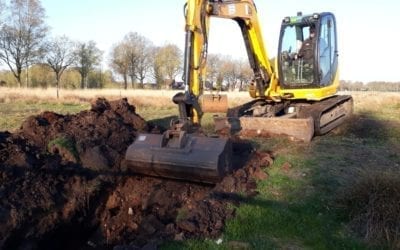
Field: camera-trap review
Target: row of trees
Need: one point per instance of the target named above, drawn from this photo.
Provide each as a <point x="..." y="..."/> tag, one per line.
<point x="227" y="73"/>
<point x="370" y="86"/>
<point x="32" y="56"/>
<point x="24" y="42"/>
<point x="30" y="53"/>
<point x="136" y="58"/>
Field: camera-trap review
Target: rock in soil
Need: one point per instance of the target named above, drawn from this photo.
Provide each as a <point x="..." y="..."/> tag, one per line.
<point x="61" y="186"/>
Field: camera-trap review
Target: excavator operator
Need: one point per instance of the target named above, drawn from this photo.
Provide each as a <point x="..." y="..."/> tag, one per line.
<point x="306" y="51"/>
<point x="305" y="56"/>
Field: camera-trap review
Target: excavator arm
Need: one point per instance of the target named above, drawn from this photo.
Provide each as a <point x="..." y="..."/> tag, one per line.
<point x="197" y="15"/>
<point x="180" y="153"/>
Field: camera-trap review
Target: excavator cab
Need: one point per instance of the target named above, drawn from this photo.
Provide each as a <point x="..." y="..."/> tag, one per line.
<point x="307" y="56"/>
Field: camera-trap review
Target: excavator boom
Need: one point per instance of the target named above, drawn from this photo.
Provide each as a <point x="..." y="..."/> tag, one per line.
<point x="182" y="152"/>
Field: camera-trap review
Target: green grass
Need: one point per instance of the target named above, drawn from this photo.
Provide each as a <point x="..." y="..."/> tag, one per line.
<point x="386" y="112"/>
<point x="298" y="209"/>
<point x="150" y="113"/>
<point x="13" y="114"/>
<point x="297" y="206"/>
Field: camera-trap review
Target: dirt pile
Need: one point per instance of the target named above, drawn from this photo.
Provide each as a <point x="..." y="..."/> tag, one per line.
<point x="96" y="138"/>
<point x="141" y="210"/>
<point x="61" y="186"/>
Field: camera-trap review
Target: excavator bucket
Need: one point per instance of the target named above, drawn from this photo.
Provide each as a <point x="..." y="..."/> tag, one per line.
<point x="214" y="103"/>
<point x="178" y="155"/>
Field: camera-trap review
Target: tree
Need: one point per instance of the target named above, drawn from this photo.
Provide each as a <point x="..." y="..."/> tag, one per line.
<point x="1" y="27"/>
<point x="2" y="6"/>
<point x="131" y="57"/>
<point x="59" y="56"/>
<point x="119" y="62"/>
<point x="143" y="65"/>
<point x="71" y="79"/>
<point x="22" y="35"/>
<point x="96" y="78"/>
<point x="40" y="75"/>
<point x="167" y="63"/>
<point x="87" y="57"/>
<point x="246" y="74"/>
<point x="156" y="68"/>
<point x="138" y="56"/>
<point x="215" y="69"/>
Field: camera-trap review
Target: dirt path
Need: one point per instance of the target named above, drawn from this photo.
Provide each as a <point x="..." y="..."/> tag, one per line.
<point x="61" y="186"/>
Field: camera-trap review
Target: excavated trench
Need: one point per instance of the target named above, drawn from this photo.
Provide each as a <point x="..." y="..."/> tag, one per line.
<point x="62" y="186"/>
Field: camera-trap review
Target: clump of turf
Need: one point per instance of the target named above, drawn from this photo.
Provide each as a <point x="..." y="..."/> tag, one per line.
<point x="65" y="147"/>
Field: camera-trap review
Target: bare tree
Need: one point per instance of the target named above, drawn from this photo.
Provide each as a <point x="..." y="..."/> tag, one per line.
<point x="59" y="56"/>
<point x="87" y="57"/>
<point x="119" y="61"/>
<point x="229" y="71"/>
<point x="143" y="65"/>
<point x="167" y="63"/>
<point x="245" y="74"/>
<point x="1" y="18"/>
<point x="131" y="57"/>
<point x="137" y="53"/>
<point x="22" y="35"/>
<point x="2" y="6"/>
<point x="214" y="72"/>
<point x="235" y="73"/>
<point x="156" y="67"/>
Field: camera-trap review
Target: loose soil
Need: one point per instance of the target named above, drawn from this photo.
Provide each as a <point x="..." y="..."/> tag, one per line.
<point x="62" y="186"/>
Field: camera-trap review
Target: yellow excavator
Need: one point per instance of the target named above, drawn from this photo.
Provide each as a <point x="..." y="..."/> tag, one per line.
<point x="295" y="97"/>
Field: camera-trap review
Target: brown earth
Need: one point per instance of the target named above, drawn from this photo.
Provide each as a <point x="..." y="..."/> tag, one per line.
<point x="61" y="186"/>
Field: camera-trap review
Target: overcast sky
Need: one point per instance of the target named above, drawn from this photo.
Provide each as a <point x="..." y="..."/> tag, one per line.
<point x="368" y="32"/>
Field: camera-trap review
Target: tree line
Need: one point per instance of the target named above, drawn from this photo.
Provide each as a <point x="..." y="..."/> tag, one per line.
<point x="31" y="57"/>
<point x="369" y="86"/>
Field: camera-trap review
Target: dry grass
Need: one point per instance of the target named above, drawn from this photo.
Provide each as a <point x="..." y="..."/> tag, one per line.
<point x="377" y="103"/>
<point x="371" y="191"/>
<point x="140" y="97"/>
<point x="372" y="101"/>
<point x="373" y="206"/>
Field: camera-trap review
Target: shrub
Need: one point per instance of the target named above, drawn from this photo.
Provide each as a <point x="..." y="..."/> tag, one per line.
<point x="373" y="206"/>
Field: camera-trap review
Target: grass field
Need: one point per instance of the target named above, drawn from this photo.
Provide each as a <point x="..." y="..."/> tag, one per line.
<point x="308" y="201"/>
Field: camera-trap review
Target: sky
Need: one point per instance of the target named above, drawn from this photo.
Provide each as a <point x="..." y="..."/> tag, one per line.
<point x="368" y="31"/>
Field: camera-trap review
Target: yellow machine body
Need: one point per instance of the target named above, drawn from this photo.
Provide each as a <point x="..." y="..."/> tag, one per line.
<point x="295" y="97"/>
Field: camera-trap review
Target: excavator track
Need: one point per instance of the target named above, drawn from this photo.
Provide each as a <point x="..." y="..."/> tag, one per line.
<point x="309" y="120"/>
<point x="329" y="113"/>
